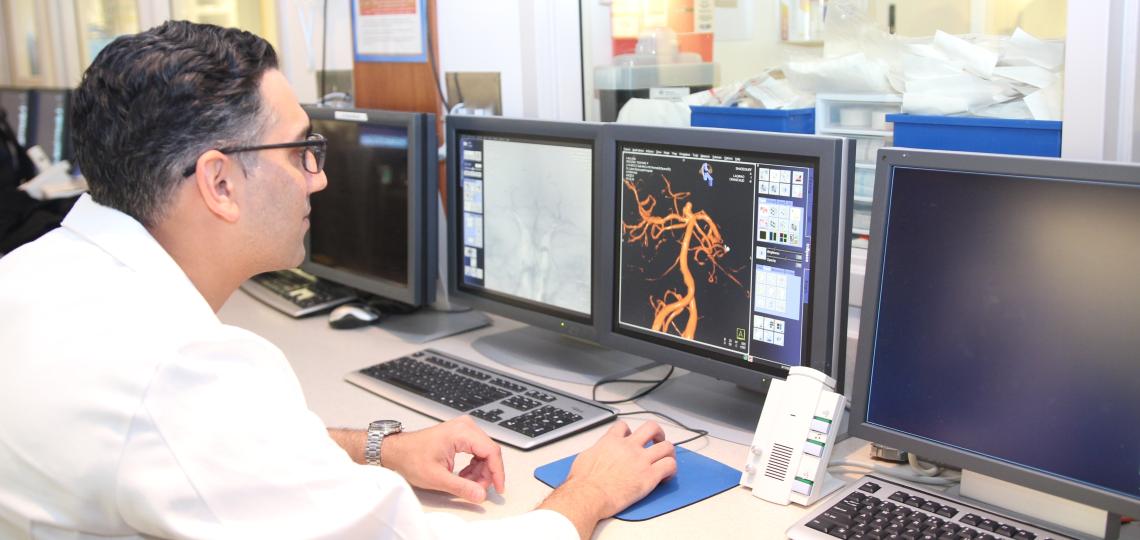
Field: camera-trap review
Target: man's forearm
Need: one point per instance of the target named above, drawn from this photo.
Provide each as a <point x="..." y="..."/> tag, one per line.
<point x="351" y="440"/>
<point x="580" y="503"/>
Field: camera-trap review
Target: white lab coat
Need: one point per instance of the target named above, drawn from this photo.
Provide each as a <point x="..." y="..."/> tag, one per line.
<point x="127" y="409"/>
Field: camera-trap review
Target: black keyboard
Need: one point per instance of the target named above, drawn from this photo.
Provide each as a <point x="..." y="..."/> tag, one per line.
<point x="297" y="293"/>
<point x="513" y="411"/>
<point x="876" y="508"/>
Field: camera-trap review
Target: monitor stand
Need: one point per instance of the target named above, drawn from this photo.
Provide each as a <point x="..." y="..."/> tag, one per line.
<point x="727" y="411"/>
<point x="426" y="324"/>
<point x="555" y="356"/>
<point x="1065" y="516"/>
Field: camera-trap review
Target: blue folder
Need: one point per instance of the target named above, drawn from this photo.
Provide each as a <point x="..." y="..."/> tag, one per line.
<point x="697" y="479"/>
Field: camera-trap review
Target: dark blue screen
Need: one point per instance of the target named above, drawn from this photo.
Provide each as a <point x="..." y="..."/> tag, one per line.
<point x="1009" y="321"/>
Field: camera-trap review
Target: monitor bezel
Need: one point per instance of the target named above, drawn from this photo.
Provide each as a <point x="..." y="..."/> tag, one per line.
<point x="1048" y="168"/>
<point x="558" y="320"/>
<point x="29" y="120"/>
<point x="35" y="101"/>
<point x="827" y="286"/>
<point x="422" y="207"/>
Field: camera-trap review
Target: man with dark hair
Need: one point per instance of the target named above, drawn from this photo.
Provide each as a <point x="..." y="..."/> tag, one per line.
<point x="131" y="411"/>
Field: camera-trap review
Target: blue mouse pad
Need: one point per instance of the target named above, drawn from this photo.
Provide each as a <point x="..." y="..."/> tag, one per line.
<point x="697" y="479"/>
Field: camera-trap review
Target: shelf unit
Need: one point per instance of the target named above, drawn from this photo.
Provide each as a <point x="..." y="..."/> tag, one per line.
<point x="861" y="117"/>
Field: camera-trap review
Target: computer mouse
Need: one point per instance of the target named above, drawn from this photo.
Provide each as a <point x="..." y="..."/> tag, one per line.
<point x="353" y="316"/>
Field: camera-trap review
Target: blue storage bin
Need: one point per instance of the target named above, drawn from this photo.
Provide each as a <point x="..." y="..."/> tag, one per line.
<point x="969" y="134"/>
<point x="785" y="121"/>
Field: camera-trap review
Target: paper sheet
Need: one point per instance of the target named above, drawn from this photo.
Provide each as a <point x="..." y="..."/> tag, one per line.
<point x="774" y="94"/>
<point x="1034" y="76"/>
<point x="1024" y="49"/>
<point x="1045" y="104"/>
<point x="973" y="58"/>
<point x="847" y="74"/>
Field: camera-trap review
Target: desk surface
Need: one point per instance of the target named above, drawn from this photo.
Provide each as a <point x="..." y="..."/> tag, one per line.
<point x="322" y="356"/>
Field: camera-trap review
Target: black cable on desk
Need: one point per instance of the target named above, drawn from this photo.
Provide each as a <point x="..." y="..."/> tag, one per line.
<point x="699" y="432"/>
<point x="643" y="393"/>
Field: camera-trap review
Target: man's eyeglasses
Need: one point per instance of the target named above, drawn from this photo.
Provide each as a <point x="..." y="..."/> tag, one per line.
<point x="315" y="146"/>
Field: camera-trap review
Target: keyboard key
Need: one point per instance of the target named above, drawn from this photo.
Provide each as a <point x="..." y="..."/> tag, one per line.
<point x="1025" y="535"/>
<point x="947" y="511"/>
<point x="988" y="525"/>
<point x="521" y="403"/>
<point x="971" y="519"/>
<point x="898" y="496"/>
<point x="870" y="487"/>
<point x="540" y="421"/>
<point x="819" y="525"/>
<point x="837" y="517"/>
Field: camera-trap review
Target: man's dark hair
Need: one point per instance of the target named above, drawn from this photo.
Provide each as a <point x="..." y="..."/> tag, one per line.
<point x="152" y="102"/>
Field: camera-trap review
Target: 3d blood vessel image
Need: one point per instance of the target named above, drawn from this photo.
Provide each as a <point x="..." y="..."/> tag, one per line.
<point x="675" y="249"/>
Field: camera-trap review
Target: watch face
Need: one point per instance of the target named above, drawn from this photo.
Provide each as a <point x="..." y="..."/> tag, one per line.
<point x="387" y="426"/>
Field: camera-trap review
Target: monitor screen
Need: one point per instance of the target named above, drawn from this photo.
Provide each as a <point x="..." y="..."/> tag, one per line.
<point x="523" y="240"/>
<point x="51" y="123"/>
<point x="527" y="215"/>
<point x="15" y="105"/>
<point x="368" y="224"/>
<point x="715" y="253"/>
<point x="1002" y="331"/>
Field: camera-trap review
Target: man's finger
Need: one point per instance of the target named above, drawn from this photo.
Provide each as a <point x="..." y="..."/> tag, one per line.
<point x="478" y="444"/>
<point x="619" y="429"/>
<point x="464" y="488"/>
<point x="660" y="450"/>
<point x="664" y="467"/>
<point x="649" y="431"/>
<point x="477" y="471"/>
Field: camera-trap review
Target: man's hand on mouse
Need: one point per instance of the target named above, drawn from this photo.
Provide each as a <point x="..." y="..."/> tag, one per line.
<point x="426" y="459"/>
<point x="614" y="473"/>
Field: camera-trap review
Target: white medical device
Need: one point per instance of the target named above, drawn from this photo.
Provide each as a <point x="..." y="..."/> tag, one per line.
<point x="794" y="438"/>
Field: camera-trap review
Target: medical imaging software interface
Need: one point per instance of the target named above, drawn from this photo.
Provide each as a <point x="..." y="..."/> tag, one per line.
<point x="527" y="219"/>
<point x="360" y="221"/>
<point x="715" y="250"/>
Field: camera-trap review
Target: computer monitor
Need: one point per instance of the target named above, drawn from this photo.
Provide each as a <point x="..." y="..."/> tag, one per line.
<point x="724" y="248"/>
<point x="999" y="325"/>
<point x="374" y="227"/>
<point x="522" y="239"/>
<point x="51" y="123"/>
<point x="16" y="103"/>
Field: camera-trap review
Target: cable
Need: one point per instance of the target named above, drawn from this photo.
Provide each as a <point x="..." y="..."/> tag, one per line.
<point x="932" y="470"/>
<point x="435" y="71"/>
<point x="643" y="393"/>
<point x="930" y="480"/>
<point x="699" y="432"/>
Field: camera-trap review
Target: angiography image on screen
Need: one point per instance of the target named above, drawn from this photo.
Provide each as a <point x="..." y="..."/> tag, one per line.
<point x="713" y="249"/>
<point x="527" y="219"/>
<point x="685" y="243"/>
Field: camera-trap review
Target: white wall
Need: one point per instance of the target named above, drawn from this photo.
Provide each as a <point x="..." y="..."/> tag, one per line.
<point x="1100" y="118"/>
<point x="748" y="40"/>
<point x="532" y="44"/>
<point x="483" y="36"/>
<point x="301" y="35"/>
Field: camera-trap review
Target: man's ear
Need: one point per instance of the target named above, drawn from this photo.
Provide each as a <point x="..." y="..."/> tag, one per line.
<point x="219" y="185"/>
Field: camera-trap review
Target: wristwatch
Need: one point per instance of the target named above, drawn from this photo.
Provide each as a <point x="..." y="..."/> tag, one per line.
<point x="376" y="432"/>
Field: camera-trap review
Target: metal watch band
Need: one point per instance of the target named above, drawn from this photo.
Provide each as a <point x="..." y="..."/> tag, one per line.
<point x="376" y="432"/>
